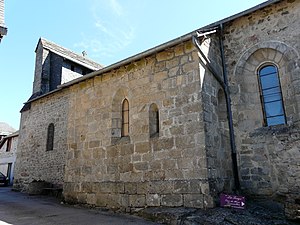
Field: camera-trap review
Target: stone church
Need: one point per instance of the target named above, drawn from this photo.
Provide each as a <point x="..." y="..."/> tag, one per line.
<point x="213" y="111"/>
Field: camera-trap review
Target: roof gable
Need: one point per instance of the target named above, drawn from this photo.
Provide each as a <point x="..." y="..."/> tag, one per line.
<point x="68" y="54"/>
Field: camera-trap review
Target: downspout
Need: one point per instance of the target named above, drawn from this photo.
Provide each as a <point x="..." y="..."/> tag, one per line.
<point x="229" y="112"/>
<point x="224" y="85"/>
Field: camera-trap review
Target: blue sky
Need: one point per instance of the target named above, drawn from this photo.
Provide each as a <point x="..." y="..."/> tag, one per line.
<point x="108" y="30"/>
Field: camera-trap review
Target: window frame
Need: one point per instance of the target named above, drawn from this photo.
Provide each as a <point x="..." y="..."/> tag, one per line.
<point x="154" y="123"/>
<point x="262" y="96"/>
<point x="50" y="137"/>
<point x="125" y="123"/>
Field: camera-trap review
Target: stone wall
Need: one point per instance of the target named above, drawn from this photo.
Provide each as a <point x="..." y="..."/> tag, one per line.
<point x="170" y="169"/>
<point x="34" y="163"/>
<point x="268" y="156"/>
<point x="217" y="142"/>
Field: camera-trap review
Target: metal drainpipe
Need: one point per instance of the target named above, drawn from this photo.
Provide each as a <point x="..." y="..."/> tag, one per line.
<point x="229" y="113"/>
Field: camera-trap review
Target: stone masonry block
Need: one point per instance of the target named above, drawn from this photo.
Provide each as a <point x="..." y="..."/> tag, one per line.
<point x="161" y="187"/>
<point x="102" y="200"/>
<point x="141" y="166"/>
<point x="173" y="174"/>
<point x="110" y="200"/>
<point x="98" y="153"/>
<point x="143" y="147"/>
<point x="184" y="142"/>
<point x="153" y="200"/>
<point x="193" y="200"/>
<point x="87" y="187"/>
<point x="164" y="55"/>
<point x="208" y="201"/>
<point x="172" y="200"/>
<point x="181" y="186"/>
<point x="91" y="199"/>
<point x="110" y="187"/>
<point x="179" y="50"/>
<point x="163" y="144"/>
<point x="82" y="198"/>
<point x="131" y="188"/>
<point x="94" y="144"/>
<point x="137" y="201"/>
<point x="143" y="187"/>
<point x="112" y="151"/>
<point x="127" y="149"/>
<point x="169" y="164"/>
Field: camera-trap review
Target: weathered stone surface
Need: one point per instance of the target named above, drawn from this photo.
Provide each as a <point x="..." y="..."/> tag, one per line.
<point x="188" y="161"/>
<point x="265" y="162"/>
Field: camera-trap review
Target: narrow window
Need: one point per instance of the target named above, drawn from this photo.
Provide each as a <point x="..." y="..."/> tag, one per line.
<point x="271" y="96"/>
<point x="50" y="137"/>
<point x="125" y="118"/>
<point x="153" y="120"/>
<point x="222" y="109"/>
<point x="8" y="145"/>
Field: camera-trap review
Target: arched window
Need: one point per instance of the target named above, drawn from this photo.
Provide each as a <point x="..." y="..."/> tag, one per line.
<point x="125" y="118"/>
<point x="50" y="137"/>
<point x="153" y="120"/>
<point x="271" y="95"/>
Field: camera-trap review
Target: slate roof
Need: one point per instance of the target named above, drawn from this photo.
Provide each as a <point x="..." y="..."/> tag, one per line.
<point x="66" y="53"/>
<point x="6" y="129"/>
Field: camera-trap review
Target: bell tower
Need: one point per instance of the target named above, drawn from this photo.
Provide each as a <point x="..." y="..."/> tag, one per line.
<point x="3" y="29"/>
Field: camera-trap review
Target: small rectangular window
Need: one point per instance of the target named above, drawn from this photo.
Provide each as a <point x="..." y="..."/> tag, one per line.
<point x="50" y="137"/>
<point x="125" y="118"/>
<point x="8" y="145"/>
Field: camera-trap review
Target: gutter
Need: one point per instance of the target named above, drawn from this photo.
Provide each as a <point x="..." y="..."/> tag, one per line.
<point x="243" y="13"/>
<point x="132" y="59"/>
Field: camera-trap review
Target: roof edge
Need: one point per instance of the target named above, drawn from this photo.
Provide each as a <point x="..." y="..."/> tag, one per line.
<point x="240" y="14"/>
<point x="159" y="48"/>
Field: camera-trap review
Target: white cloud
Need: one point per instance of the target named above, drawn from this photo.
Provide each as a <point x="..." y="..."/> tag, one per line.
<point x="112" y="31"/>
<point x="117" y="8"/>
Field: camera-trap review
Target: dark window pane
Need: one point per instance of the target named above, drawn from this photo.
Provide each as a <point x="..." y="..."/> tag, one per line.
<point x="125" y="118"/>
<point x="50" y="137"/>
<point x="272" y="97"/>
<point x="271" y="91"/>
<point x="267" y="70"/>
<point x="276" y="120"/>
<point x="153" y="120"/>
<point x="269" y="81"/>
<point x="274" y="109"/>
